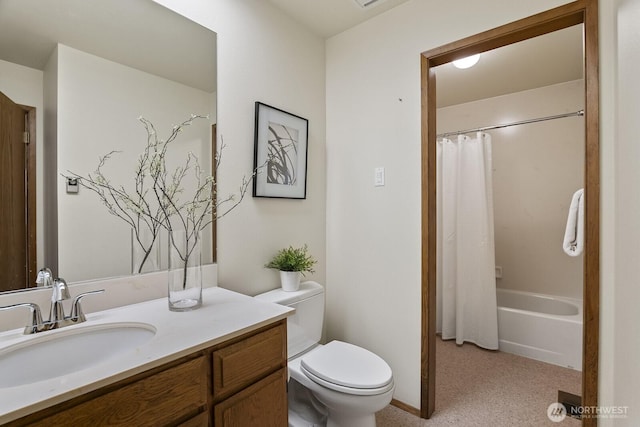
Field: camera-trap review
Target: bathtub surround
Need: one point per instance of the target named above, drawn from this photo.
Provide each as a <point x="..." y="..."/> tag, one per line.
<point x="542" y="327"/>
<point x="532" y="189"/>
<point x="466" y="283"/>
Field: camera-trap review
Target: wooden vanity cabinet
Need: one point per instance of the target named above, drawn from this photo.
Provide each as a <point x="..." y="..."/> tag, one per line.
<point x="250" y="381"/>
<point x="240" y="382"/>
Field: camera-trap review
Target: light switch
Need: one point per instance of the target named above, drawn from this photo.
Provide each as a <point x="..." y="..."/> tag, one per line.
<point x="378" y="180"/>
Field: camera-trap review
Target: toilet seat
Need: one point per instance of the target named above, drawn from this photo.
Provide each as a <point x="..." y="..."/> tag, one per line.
<point x="348" y="369"/>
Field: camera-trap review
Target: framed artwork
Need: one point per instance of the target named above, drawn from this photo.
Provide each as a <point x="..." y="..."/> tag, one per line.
<point x="280" y="151"/>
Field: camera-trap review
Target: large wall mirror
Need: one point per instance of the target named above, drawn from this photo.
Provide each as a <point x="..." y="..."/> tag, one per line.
<point x="84" y="71"/>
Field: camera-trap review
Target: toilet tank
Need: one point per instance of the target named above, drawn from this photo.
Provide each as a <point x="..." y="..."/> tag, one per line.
<point x="304" y="327"/>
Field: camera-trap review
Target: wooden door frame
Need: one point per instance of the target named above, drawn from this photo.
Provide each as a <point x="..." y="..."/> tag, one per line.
<point x="31" y="195"/>
<point x="578" y="12"/>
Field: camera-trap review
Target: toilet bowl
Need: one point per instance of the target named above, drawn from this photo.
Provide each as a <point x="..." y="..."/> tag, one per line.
<point x="338" y="383"/>
<point x="350" y="394"/>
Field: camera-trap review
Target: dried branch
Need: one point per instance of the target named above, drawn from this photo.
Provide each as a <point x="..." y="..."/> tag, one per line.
<point x="158" y="199"/>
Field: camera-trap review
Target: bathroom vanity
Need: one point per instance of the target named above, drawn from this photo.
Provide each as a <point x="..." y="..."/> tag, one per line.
<point x="221" y="365"/>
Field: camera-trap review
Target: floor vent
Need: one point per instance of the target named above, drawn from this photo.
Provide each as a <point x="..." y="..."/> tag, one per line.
<point x="572" y="402"/>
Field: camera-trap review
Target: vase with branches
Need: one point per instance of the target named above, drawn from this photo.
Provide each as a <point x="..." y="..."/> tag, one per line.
<point x="159" y="200"/>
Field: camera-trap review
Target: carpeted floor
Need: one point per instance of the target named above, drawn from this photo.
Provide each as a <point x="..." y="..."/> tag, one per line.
<point x="482" y="388"/>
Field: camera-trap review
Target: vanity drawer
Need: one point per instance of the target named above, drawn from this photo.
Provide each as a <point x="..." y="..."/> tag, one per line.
<point x="242" y="363"/>
<point x="157" y="400"/>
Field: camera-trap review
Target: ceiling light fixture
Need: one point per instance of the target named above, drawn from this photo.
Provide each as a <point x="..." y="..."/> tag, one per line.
<point x="467" y="62"/>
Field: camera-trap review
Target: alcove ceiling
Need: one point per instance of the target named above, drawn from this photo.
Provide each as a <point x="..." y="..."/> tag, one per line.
<point x="546" y="60"/>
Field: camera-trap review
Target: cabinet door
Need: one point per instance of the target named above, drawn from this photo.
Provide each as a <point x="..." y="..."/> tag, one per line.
<point x="263" y="404"/>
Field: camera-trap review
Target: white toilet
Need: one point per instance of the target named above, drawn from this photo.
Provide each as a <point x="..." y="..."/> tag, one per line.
<point x="336" y="384"/>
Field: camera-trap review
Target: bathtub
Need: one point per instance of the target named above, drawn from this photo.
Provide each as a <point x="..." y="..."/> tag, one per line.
<point x="541" y="327"/>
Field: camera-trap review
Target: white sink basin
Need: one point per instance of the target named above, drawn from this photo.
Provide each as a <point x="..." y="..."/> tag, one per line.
<point x="57" y="353"/>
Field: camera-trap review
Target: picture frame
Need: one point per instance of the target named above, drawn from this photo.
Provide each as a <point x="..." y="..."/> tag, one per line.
<point x="280" y="153"/>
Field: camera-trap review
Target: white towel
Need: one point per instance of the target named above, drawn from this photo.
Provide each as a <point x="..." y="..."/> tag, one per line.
<point x="573" y="243"/>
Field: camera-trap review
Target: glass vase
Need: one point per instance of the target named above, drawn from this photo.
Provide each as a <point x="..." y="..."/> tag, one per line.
<point x="145" y="251"/>
<point x="185" y="271"/>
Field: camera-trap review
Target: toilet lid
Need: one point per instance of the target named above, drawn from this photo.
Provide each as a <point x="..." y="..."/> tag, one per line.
<point x="347" y="365"/>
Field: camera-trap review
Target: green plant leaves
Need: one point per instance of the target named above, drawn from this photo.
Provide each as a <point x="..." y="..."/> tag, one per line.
<point x="293" y="259"/>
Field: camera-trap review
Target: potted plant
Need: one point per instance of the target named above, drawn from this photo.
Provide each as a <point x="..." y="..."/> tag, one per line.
<point x="292" y="263"/>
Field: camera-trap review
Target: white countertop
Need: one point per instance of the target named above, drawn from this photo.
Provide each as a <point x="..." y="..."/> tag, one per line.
<point x="224" y="315"/>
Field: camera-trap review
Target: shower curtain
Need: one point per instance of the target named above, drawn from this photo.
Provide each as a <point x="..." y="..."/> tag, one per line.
<point x="466" y="285"/>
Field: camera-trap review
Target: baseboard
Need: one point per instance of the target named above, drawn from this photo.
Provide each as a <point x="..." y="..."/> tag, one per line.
<point x="407" y="408"/>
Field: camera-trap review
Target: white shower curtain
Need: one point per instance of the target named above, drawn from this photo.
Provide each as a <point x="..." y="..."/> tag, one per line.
<point x="466" y="285"/>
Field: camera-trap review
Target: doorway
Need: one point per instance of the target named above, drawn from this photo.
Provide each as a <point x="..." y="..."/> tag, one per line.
<point x="17" y="195"/>
<point x="578" y="12"/>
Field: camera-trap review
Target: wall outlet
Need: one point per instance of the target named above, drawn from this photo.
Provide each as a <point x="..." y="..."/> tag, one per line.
<point x="498" y="272"/>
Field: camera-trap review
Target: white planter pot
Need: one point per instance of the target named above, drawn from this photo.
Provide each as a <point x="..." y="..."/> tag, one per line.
<point x="290" y="280"/>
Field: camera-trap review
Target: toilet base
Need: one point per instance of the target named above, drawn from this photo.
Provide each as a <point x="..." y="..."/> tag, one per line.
<point x="304" y="409"/>
<point x="344" y="420"/>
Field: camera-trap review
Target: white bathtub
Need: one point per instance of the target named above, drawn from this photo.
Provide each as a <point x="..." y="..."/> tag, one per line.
<point x="541" y="327"/>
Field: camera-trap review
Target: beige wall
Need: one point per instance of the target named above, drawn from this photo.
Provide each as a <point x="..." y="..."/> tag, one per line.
<point x="536" y="169"/>
<point x="626" y="348"/>
<point x="373" y="119"/>
<point x="264" y="56"/>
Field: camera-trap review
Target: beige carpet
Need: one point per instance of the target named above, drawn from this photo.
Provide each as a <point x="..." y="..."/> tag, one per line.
<point x="476" y="387"/>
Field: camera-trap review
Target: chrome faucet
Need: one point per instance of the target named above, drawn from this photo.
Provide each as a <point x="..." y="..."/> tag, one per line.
<point x="57" y="318"/>
<point x="59" y="294"/>
<point x="44" y="278"/>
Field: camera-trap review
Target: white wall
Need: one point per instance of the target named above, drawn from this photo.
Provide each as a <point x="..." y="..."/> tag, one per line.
<point x="99" y="102"/>
<point x="536" y="169"/>
<point x="373" y="119"/>
<point x="23" y="85"/>
<point x="626" y="316"/>
<point x="264" y="56"/>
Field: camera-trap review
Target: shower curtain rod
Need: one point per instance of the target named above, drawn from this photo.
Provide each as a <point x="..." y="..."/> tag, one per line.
<point x="522" y="122"/>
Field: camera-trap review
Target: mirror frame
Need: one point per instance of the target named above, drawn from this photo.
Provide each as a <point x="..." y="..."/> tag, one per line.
<point x="578" y="12"/>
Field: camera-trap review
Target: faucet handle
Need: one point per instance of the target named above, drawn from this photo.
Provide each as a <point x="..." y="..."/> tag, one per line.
<point x="36" y="316"/>
<point x="76" y="309"/>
